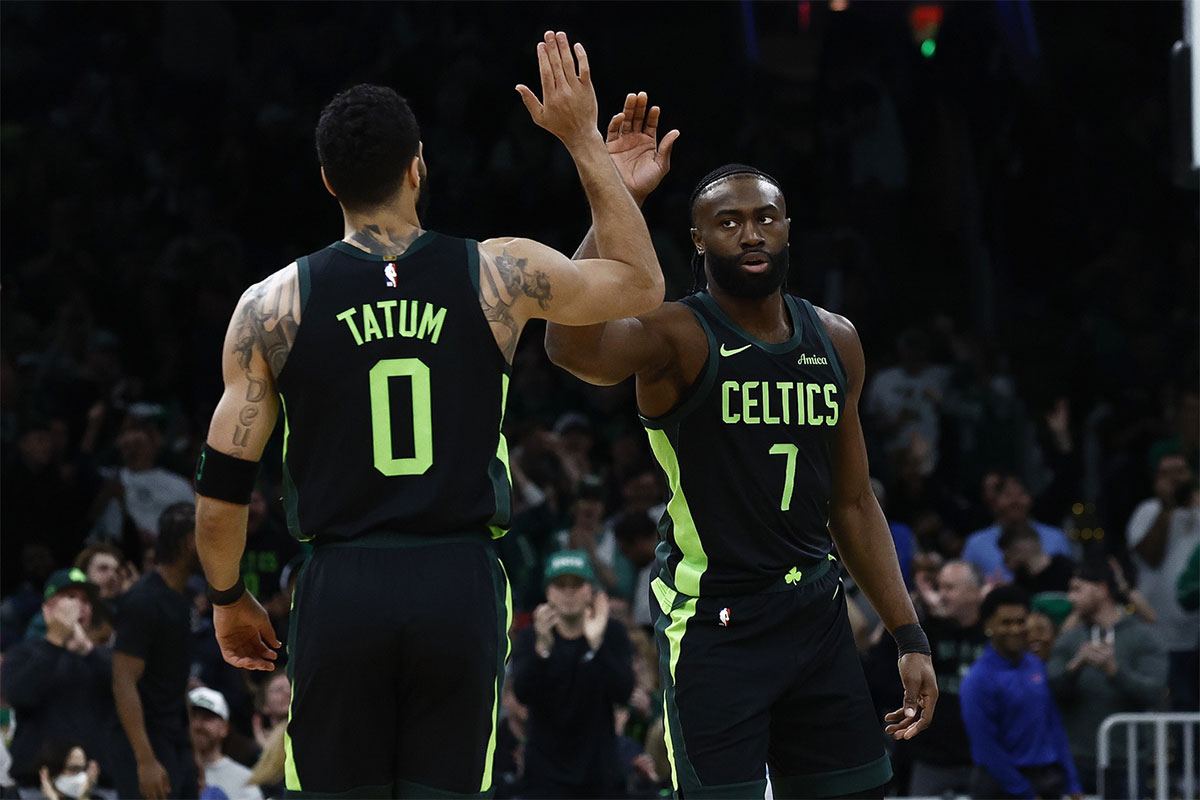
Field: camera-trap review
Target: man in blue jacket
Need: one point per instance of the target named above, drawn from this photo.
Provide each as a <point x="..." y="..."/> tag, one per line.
<point x="1017" y="738"/>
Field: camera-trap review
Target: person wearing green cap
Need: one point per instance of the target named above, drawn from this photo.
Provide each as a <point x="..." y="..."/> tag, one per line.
<point x="59" y="684"/>
<point x="571" y="667"/>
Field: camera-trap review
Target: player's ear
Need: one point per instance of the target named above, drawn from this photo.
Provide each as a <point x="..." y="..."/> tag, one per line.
<point x="325" y="180"/>
<point x="416" y="167"/>
<point x="697" y="241"/>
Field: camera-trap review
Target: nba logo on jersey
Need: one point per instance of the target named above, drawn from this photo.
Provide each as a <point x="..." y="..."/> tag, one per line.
<point x="389" y="272"/>
<point x="723" y="617"/>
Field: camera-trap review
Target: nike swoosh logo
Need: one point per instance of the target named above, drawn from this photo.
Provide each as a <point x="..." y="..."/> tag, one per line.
<point x="725" y="352"/>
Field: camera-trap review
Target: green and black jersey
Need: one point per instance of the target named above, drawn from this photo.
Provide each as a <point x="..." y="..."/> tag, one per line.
<point x="393" y="396"/>
<point x="747" y="456"/>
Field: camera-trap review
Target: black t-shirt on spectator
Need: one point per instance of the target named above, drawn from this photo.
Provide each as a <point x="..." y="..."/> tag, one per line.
<point x="154" y="625"/>
<point x="1056" y="577"/>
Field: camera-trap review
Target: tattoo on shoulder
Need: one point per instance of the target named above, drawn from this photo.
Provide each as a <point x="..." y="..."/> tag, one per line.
<point x="384" y="241"/>
<point x="267" y="320"/>
<point x="502" y="280"/>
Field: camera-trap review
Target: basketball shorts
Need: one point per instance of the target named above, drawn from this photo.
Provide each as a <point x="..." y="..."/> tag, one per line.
<point x="766" y="679"/>
<point x="396" y="653"/>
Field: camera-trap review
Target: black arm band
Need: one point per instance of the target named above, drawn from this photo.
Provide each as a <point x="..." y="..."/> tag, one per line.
<point x="911" y="638"/>
<point x="223" y="477"/>
<point x="229" y="596"/>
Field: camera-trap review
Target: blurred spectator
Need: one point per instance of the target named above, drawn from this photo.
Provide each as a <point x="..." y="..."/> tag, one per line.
<point x="1010" y="503"/>
<point x="587" y="532"/>
<point x="1162" y="533"/>
<point x="1113" y="662"/>
<point x="65" y="771"/>
<point x="508" y="765"/>
<point x="1017" y="739"/>
<point x="106" y="568"/>
<point x="571" y="668"/>
<point x="903" y="401"/>
<point x="902" y="535"/>
<point x="268" y="772"/>
<point x="1188" y="588"/>
<point x="1031" y="568"/>
<point x="275" y="697"/>
<point x="941" y="755"/>
<point x="58" y="686"/>
<point x="269" y="547"/>
<point x="1042" y="635"/>
<point x="139" y="491"/>
<point x="637" y="536"/>
<point x="153" y="758"/>
<point x="209" y="727"/>
<point x="48" y="513"/>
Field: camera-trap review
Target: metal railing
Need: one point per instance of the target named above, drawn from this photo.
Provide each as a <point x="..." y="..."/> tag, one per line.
<point x="1160" y="721"/>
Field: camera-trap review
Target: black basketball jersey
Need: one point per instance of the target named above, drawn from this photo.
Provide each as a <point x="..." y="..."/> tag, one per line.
<point x="393" y="396"/>
<point x="747" y="456"/>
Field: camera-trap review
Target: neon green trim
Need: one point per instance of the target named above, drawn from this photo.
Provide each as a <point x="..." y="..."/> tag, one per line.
<point x="508" y="617"/>
<point x="674" y="633"/>
<point x="291" y="779"/>
<point x="503" y="492"/>
<point x="687" y="538"/>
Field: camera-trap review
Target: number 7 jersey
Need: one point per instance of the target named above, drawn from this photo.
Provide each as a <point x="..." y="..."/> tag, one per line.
<point x="747" y="455"/>
<point x="393" y="396"/>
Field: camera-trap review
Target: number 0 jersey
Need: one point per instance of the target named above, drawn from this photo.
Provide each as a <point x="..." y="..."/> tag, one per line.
<point x="747" y="456"/>
<point x="393" y="396"/>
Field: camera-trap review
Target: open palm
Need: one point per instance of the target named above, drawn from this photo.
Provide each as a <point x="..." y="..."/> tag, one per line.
<point x="632" y="142"/>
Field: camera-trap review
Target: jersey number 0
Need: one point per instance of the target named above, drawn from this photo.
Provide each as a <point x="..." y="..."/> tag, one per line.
<point x="381" y="417"/>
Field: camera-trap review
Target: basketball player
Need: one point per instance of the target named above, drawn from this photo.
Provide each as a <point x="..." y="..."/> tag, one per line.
<point x="389" y="354"/>
<point x="750" y="399"/>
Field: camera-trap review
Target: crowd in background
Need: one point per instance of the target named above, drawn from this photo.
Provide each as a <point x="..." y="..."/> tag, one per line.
<point x="1002" y="230"/>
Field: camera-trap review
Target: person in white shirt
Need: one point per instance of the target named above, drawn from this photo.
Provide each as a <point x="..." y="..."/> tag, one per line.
<point x="1162" y="532"/>
<point x="210" y="726"/>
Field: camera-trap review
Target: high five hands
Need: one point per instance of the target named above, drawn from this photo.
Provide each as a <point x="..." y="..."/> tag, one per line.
<point x="568" y="106"/>
<point x="632" y="142"/>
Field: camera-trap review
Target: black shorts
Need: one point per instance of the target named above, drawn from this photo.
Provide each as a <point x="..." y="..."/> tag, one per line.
<point x="779" y="684"/>
<point x="396" y="655"/>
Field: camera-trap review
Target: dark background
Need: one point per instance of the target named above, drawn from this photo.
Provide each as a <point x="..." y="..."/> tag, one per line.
<point x="1014" y="196"/>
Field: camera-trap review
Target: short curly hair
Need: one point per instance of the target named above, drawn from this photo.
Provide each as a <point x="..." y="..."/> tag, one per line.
<point x="366" y="138"/>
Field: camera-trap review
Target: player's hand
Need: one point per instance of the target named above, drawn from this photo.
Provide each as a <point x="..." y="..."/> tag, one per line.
<point x="595" y="621"/>
<point x="245" y="634"/>
<point x="568" y="107"/>
<point x="920" y="697"/>
<point x="633" y="144"/>
<point x="153" y="781"/>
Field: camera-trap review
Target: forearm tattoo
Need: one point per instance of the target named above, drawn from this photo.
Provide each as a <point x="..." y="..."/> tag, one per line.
<point x="384" y="241"/>
<point x="502" y="280"/>
<point x="267" y="321"/>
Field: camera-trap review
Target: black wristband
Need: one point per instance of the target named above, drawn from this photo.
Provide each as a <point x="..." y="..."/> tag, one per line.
<point x="224" y="477"/>
<point x="229" y="596"/>
<point x="911" y="638"/>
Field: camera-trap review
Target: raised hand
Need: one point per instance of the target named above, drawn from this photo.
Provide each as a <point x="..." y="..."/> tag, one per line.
<point x="544" y="620"/>
<point x="632" y="142"/>
<point x="245" y="634"/>
<point x="920" y="697"/>
<point x="568" y="107"/>
<point x="595" y="621"/>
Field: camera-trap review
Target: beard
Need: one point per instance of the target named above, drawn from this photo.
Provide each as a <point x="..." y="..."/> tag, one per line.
<point x="734" y="281"/>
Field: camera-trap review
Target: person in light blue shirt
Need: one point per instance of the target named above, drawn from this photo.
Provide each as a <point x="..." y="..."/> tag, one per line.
<point x="1017" y="739"/>
<point x="1010" y="503"/>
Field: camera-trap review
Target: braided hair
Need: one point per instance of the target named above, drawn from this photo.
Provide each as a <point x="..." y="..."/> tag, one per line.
<point x="699" y="281"/>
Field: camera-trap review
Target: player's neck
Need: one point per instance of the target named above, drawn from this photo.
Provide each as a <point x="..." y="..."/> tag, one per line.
<point x="764" y="318"/>
<point x="387" y="230"/>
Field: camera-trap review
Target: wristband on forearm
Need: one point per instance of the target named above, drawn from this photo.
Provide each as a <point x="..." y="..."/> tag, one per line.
<point x="228" y="596"/>
<point x="911" y="638"/>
